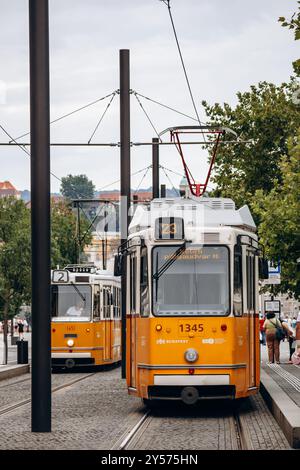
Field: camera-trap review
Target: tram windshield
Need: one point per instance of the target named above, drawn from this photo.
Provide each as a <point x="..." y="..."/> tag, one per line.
<point x="71" y="302"/>
<point x="196" y="283"/>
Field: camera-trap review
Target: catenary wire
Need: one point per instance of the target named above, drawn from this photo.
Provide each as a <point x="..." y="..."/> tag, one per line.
<point x="70" y="113"/>
<point x="165" y="106"/>
<point x="102" y="117"/>
<point x="167" y="3"/>
<point x="143" y="177"/>
<point x="147" y="116"/>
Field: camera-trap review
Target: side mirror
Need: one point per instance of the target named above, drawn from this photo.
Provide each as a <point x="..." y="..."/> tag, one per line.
<point x="118" y="265"/>
<point x="263" y="268"/>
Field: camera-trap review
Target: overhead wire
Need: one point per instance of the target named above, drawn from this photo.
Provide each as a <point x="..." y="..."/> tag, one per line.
<point x="24" y="149"/>
<point x="172" y="185"/>
<point x="165" y="106"/>
<point x="117" y="181"/>
<point x="52" y="174"/>
<point x="167" y="3"/>
<point x="147" y="116"/>
<point x="71" y="112"/>
<point x="143" y="177"/>
<point x="102" y="117"/>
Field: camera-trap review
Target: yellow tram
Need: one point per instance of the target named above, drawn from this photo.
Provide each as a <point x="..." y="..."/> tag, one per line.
<point x="192" y="300"/>
<point x="86" y="317"/>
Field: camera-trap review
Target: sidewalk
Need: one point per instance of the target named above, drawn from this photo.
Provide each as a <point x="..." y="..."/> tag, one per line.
<point x="280" y="387"/>
<point x="12" y="350"/>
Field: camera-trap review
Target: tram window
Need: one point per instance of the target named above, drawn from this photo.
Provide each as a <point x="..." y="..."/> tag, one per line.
<point x="144" y="289"/>
<point x="119" y="302"/>
<point x="97" y="303"/>
<point x="106" y="302"/>
<point x="72" y="302"/>
<point x="238" y="282"/>
<point x="195" y="284"/>
<point x="116" y="302"/>
<point x="133" y="284"/>
<point x="251" y="282"/>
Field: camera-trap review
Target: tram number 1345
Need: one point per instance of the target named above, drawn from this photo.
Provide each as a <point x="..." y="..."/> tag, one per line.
<point x="187" y="328"/>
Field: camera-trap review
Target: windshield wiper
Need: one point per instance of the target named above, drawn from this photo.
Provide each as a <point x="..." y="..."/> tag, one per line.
<point x="169" y="262"/>
<point x="78" y="292"/>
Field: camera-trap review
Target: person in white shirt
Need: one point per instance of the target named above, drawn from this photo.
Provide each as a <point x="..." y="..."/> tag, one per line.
<point x="75" y="310"/>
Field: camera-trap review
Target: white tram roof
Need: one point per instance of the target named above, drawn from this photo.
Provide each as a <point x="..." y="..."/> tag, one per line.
<point x="198" y="212"/>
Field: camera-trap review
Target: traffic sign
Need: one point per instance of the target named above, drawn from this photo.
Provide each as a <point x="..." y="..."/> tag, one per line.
<point x="272" y="306"/>
<point x="274" y="273"/>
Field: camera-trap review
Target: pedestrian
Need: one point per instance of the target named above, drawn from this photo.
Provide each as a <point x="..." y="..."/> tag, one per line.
<point x="291" y="337"/>
<point x="21" y="329"/>
<point x="271" y="325"/>
<point x="261" y="329"/>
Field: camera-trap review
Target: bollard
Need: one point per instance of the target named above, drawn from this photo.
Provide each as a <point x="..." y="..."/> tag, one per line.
<point x="22" y="357"/>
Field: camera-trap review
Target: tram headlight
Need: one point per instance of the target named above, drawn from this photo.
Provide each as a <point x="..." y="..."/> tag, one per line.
<point x="191" y="355"/>
<point x="70" y="342"/>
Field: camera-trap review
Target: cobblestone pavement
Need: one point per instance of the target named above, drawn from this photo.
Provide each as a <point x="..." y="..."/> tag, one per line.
<point x="90" y="414"/>
<point x="210" y="426"/>
<point x="19" y="388"/>
<point x="207" y="426"/>
<point x="97" y="412"/>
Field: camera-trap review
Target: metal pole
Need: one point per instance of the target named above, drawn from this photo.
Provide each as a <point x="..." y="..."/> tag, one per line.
<point x="155" y="167"/>
<point x="78" y="232"/>
<point x="40" y="215"/>
<point x="125" y="179"/>
<point x="162" y="190"/>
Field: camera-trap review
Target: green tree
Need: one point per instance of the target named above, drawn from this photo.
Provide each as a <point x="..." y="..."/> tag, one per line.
<point x="65" y="245"/>
<point x="294" y="24"/>
<point x="14" y="260"/>
<point x="77" y="187"/>
<point x="263" y="119"/>
<point x="15" y="252"/>
<point x="279" y="212"/>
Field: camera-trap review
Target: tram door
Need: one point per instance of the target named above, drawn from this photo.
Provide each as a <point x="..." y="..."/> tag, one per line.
<point x="106" y="299"/>
<point x="132" y="291"/>
<point x="251" y="300"/>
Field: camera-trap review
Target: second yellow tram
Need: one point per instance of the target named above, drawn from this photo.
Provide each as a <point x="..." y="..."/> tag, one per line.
<point x="86" y="317"/>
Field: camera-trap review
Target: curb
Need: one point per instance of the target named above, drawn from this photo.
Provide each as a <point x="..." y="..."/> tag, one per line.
<point x="13" y="371"/>
<point x="283" y="408"/>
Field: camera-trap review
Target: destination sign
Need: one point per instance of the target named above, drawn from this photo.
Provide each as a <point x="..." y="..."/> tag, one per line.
<point x="169" y="228"/>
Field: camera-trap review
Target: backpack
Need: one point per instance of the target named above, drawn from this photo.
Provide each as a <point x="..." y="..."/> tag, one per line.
<point x="280" y="334"/>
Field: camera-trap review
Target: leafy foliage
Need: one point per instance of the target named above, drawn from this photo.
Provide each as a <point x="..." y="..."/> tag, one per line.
<point x="279" y="212"/>
<point x="293" y="24"/>
<point x="77" y="187"/>
<point x="64" y="243"/>
<point x="264" y="118"/>
<point x="14" y="255"/>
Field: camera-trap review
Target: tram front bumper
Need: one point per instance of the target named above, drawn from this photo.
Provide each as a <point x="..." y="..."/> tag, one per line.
<point x="191" y="388"/>
<point x="71" y="360"/>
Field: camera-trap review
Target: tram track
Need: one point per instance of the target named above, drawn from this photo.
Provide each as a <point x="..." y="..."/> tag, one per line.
<point x="19" y="404"/>
<point x="133" y="437"/>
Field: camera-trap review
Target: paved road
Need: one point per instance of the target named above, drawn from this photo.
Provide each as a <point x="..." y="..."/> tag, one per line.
<point x="95" y="413"/>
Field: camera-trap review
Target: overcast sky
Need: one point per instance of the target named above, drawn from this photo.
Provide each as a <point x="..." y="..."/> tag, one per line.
<point x="227" y="45"/>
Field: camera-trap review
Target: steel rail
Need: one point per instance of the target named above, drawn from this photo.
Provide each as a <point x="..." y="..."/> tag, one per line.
<point x="132" y="433"/>
<point x="19" y="404"/>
